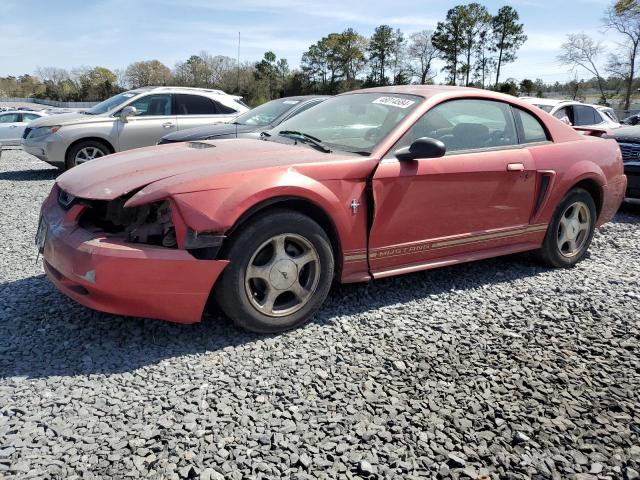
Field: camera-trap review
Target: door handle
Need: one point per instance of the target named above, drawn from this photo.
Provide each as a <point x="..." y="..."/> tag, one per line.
<point x="167" y="125"/>
<point x="515" y="167"/>
<point x="13" y="126"/>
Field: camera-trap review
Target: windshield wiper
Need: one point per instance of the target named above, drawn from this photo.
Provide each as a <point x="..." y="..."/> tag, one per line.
<point x="305" y="138"/>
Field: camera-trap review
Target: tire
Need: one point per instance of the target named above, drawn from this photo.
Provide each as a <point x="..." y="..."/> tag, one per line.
<point x="557" y="250"/>
<point x="75" y="153"/>
<point x="280" y="272"/>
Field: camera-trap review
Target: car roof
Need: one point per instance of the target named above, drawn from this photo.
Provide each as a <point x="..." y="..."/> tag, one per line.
<point x="21" y="111"/>
<point x="179" y="89"/>
<point x="548" y="101"/>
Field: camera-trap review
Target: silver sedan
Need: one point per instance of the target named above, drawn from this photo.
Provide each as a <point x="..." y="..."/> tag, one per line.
<point x="13" y="123"/>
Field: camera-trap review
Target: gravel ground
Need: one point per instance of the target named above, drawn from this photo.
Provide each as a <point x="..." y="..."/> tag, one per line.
<point x="497" y="369"/>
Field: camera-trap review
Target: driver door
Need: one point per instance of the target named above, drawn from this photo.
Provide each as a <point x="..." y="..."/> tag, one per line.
<point x="154" y="120"/>
<point x="480" y="195"/>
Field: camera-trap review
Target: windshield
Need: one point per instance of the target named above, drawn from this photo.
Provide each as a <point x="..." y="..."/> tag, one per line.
<point x="354" y="122"/>
<point x="546" y="108"/>
<point x="111" y="103"/>
<point x="266" y="113"/>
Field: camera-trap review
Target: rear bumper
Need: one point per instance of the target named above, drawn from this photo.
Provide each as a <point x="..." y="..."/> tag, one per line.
<point x="613" y="195"/>
<point x="113" y="276"/>
<point x="632" y="171"/>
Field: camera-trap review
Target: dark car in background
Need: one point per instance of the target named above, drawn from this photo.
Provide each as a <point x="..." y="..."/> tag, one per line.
<point x="629" y="141"/>
<point x="251" y="123"/>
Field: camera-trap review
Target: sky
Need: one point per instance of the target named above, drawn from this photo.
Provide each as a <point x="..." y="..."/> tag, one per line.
<point x="114" y="33"/>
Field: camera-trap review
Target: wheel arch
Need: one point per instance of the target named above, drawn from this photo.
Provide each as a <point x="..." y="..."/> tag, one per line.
<point x="104" y="141"/>
<point x="593" y="187"/>
<point x="301" y="205"/>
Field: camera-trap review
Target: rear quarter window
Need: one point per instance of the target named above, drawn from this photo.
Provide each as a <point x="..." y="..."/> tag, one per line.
<point x="531" y="130"/>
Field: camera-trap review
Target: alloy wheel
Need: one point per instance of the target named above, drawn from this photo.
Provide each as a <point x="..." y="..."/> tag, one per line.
<point x="573" y="229"/>
<point x="282" y="275"/>
<point x="88" y="153"/>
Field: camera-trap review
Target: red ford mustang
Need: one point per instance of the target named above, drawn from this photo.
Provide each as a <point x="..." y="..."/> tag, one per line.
<point x="368" y="184"/>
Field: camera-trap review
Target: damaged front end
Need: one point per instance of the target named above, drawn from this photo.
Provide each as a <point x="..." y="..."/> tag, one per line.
<point x="157" y="223"/>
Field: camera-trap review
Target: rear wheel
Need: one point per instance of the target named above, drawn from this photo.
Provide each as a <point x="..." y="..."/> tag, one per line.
<point x="280" y="272"/>
<point x="85" y="151"/>
<point x="570" y="231"/>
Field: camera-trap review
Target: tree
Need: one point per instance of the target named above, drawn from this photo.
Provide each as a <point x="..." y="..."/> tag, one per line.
<point x="382" y="46"/>
<point x="484" y="64"/>
<point x="527" y="86"/>
<point x="508" y="37"/>
<point x="338" y="57"/>
<point x="624" y="16"/>
<point x="475" y="24"/>
<point x="351" y="55"/>
<point x="581" y="51"/>
<point x="96" y="83"/>
<point x="509" y="87"/>
<point x="148" y="72"/>
<point x="422" y="53"/>
<point x="267" y="71"/>
<point x="314" y="64"/>
<point x="447" y="40"/>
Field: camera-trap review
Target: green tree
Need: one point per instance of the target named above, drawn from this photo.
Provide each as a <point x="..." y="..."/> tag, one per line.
<point x="97" y="83"/>
<point x="475" y="25"/>
<point x="527" y="86"/>
<point x="508" y="37"/>
<point x="147" y="72"/>
<point x="382" y="47"/>
<point x="351" y="55"/>
<point x="448" y="39"/>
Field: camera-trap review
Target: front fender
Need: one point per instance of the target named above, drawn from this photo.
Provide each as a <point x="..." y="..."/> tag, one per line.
<point x="218" y="210"/>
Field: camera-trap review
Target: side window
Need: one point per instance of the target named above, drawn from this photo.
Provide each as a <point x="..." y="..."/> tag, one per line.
<point x="9" y="118"/>
<point x="223" y="109"/>
<point x="532" y="129"/>
<point x="585" y="115"/>
<point x="465" y="125"/>
<point x="565" y="115"/>
<point x="152" y="105"/>
<point x="195" y="105"/>
<point x="27" y="117"/>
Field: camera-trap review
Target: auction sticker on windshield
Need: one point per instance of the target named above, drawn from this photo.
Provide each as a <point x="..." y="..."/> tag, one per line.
<point x="394" y="102"/>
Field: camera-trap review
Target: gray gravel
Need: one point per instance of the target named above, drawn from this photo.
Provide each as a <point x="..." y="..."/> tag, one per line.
<point x="498" y="369"/>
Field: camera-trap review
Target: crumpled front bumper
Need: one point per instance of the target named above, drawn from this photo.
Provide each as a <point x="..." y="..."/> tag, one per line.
<point x="114" y="276"/>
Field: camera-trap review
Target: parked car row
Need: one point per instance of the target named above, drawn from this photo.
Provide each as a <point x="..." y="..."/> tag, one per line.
<point x="355" y="187"/>
<point x="133" y="119"/>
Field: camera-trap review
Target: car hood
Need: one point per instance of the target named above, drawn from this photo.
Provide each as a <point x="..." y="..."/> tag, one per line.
<point x="210" y="132"/>
<point x="68" y="119"/>
<point x="627" y="134"/>
<point x="181" y="163"/>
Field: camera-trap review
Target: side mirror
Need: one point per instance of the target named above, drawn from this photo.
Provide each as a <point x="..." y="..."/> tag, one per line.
<point x="127" y="112"/>
<point x="424" y="147"/>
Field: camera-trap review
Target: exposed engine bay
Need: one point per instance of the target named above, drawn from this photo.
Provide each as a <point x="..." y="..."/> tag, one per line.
<point x="149" y="224"/>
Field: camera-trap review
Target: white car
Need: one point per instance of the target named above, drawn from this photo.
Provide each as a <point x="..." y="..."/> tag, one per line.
<point x="13" y="123"/>
<point x="133" y="119"/>
<point x="576" y="113"/>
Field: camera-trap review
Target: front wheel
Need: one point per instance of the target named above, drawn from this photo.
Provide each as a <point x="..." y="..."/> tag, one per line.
<point x="280" y="272"/>
<point x="85" y="151"/>
<point x="570" y="231"/>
